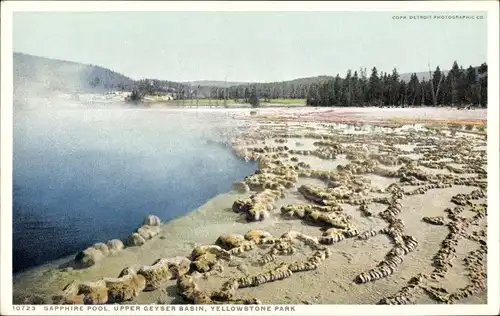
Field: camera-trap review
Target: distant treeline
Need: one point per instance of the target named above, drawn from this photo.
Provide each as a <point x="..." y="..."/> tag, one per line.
<point x="458" y="87"/>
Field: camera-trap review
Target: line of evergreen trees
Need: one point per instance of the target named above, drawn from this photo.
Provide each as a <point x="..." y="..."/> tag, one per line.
<point x="459" y="87"/>
<point x="266" y="91"/>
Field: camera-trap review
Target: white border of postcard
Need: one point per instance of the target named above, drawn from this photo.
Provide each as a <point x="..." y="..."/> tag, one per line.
<point x="489" y="7"/>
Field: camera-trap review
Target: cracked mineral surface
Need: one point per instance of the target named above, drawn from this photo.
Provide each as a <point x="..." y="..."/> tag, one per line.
<point x="335" y="214"/>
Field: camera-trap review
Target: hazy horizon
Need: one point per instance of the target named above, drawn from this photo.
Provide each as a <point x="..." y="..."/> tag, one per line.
<point x="250" y="46"/>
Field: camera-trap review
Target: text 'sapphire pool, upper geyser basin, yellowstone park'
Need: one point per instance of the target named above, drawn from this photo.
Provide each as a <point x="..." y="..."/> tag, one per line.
<point x="83" y="176"/>
<point x="148" y="173"/>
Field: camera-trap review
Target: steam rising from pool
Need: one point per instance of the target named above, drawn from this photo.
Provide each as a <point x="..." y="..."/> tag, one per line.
<point x="89" y="175"/>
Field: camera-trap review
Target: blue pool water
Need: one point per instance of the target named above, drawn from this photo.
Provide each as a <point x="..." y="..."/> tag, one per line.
<point x="84" y="176"/>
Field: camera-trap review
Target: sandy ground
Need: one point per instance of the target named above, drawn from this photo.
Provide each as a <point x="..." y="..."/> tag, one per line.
<point x="333" y="280"/>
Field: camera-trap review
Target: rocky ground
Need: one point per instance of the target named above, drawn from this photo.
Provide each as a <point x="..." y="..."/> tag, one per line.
<point x="336" y="214"/>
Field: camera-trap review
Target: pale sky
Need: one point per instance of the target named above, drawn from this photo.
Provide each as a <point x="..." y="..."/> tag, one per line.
<point x="250" y="46"/>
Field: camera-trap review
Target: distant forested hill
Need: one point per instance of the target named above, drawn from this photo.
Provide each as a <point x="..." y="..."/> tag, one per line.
<point x="41" y="75"/>
<point x="212" y="83"/>
<point x="457" y="86"/>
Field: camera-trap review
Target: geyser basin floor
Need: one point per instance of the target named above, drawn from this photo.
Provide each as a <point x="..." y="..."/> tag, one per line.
<point x="332" y="282"/>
